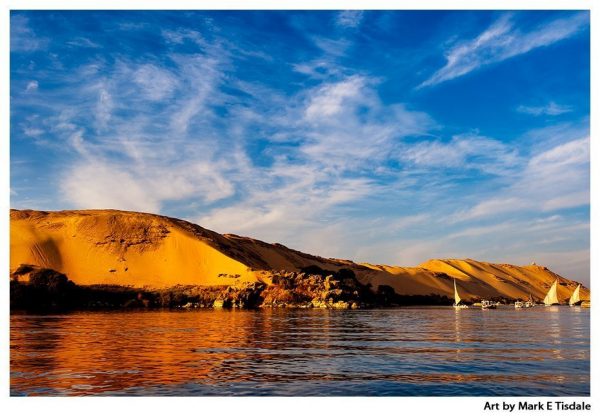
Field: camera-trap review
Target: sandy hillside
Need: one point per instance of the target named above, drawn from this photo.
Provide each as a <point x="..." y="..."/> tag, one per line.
<point x="137" y="249"/>
<point x="129" y="248"/>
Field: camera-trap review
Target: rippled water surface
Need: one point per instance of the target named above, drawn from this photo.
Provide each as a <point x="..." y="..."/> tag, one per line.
<point x="403" y="352"/>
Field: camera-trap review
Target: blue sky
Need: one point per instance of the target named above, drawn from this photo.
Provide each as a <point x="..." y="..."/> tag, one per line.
<point x="389" y="137"/>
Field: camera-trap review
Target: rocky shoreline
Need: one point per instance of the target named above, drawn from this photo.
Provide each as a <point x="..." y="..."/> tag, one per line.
<point x="35" y="288"/>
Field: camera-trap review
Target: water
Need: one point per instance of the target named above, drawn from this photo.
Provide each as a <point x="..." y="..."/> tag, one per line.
<point x="400" y="352"/>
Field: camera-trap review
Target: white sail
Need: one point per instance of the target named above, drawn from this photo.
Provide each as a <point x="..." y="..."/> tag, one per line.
<point x="456" y="297"/>
<point x="575" y="296"/>
<point x="551" y="297"/>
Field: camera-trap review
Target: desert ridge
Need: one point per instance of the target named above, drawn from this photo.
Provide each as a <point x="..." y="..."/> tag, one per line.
<point x="146" y="250"/>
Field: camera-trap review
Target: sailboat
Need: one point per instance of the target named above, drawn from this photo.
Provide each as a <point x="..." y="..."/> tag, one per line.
<point x="551" y="297"/>
<point x="457" y="299"/>
<point x="574" y="300"/>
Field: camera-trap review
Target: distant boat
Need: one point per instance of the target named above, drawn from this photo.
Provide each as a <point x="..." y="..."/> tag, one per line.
<point x="575" y="301"/>
<point x="488" y="304"/>
<point x="525" y="304"/>
<point x="457" y="299"/>
<point x="551" y="297"/>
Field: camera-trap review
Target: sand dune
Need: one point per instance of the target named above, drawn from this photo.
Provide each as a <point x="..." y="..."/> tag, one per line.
<point x="146" y="250"/>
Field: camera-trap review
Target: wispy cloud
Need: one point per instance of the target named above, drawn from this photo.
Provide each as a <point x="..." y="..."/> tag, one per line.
<point x="156" y="83"/>
<point x="554" y="179"/>
<point x="330" y="99"/>
<point x="550" y="109"/>
<point x="82" y="42"/>
<point x="501" y="41"/>
<point x="31" y="86"/>
<point x="350" y="18"/>
<point x="104" y="108"/>
<point x="327" y="65"/>
<point x="32" y="131"/>
<point x="22" y="37"/>
<point x="144" y="149"/>
<point x="328" y="168"/>
<point x="467" y="151"/>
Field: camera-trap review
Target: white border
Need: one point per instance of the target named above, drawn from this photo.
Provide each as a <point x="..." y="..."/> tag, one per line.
<point x="274" y="405"/>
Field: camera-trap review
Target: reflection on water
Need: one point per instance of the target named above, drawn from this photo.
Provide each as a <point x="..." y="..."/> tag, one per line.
<point x="408" y="351"/>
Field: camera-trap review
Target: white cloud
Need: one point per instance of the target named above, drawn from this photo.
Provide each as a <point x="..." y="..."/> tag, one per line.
<point x="179" y="36"/>
<point x="330" y="99"/>
<point x="104" y="108"/>
<point x="155" y="83"/>
<point x="143" y="152"/>
<point x="99" y="185"/>
<point x="551" y="109"/>
<point x="22" y="37"/>
<point x="33" y="131"/>
<point x="350" y="18"/>
<point x="202" y="75"/>
<point x="333" y="48"/>
<point x="502" y="41"/>
<point x="344" y="124"/>
<point x="496" y="206"/>
<point x="554" y="179"/>
<point x="552" y="162"/>
<point x="32" y="86"/>
<point x="81" y="42"/>
<point x="464" y="152"/>
<point x="94" y="182"/>
<point x="290" y="212"/>
<point x="344" y="131"/>
<point x="407" y="221"/>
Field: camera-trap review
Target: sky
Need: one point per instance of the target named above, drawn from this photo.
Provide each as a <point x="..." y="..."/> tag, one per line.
<point x="388" y="137"/>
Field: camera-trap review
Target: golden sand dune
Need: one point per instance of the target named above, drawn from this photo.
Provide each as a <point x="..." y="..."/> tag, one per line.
<point x="146" y="250"/>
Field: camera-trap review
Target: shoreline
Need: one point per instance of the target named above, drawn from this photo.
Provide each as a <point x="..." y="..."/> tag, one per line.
<point x="37" y="289"/>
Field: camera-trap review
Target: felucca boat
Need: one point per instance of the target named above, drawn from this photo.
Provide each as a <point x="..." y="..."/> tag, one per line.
<point x="488" y="304"/>
<point x="574" y="300"/>
<point x="457" y="299"/>
<point x="551" y="297"/>
<point x="530" y="302"/>
<point x="525" y="304"/>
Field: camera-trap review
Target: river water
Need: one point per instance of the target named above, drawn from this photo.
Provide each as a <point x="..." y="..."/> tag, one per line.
<point x="436" y="351"/>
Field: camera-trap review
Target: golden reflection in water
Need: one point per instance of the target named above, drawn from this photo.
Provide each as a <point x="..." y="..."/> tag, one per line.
<point x="458" y="339"/>
<point x="457" y="332"/>
<point x="582" y="333"/>
<point x="133" y="349"/>
<point x="554" y="330"/>
<point x="194" y="346"/>
<point x="161" y="351"/>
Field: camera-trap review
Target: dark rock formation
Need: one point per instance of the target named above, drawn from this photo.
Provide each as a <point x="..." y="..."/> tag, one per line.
<point x="35" y="288"/>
